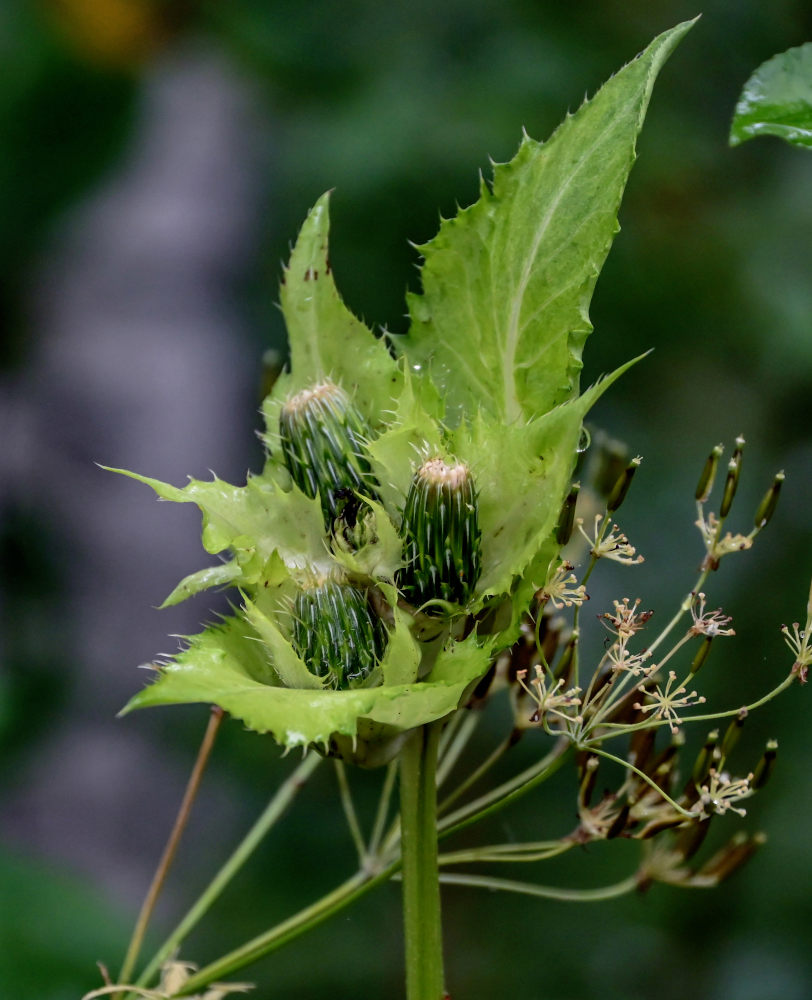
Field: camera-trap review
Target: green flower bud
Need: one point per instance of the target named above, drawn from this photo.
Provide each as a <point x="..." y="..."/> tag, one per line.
<point x="336" y="633"/>
<point x="441" y="534"/>
<point x="323" y="444"/>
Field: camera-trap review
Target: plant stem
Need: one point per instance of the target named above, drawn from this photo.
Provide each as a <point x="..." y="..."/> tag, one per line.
<point x="356" y="886"/>
<point x="383" y="807"/>
<point x="168" y="856"/>
<point x="544" y="891"/>
<point x="421" y="890"/>
<point x="350" y="813"/>
<point x="272" y="812"/>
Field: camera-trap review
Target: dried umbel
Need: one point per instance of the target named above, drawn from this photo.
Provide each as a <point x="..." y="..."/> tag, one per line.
<point x="336" y="633"/>
<point x="441" y="533"/>
<point x="323" y="442"/>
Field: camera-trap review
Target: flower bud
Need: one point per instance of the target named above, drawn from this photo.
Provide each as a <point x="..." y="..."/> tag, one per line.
<point x="766" y="508"/>
<point x="566" y="519"/>
<point x="441" y="533"/>
<point x="336" y="633"/>
<point x="708" y="475"/>
<point x="621" y="487"/>
<point x="323" y="444"/>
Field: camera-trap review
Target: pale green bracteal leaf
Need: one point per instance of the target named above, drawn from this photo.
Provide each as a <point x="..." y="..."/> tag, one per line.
<point x="507" y="283"/>
<point x="290" y="668"/>
<point x="522" y="474"/>
<point x="226" y="666"/>
<point x="326" y="340"/>
<point x="379" y="559"/>
<point x="224" y="575"/>
<point x="777" y="100"/>
<point x="257" y="522"/>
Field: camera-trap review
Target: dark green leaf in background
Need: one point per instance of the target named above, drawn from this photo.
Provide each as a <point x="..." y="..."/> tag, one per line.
<point x="777" y="100"/>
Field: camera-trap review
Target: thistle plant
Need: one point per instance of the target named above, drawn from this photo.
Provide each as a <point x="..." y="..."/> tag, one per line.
<point x="407" y="558"/>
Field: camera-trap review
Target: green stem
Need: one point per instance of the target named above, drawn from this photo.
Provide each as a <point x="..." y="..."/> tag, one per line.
<point x="273" y="811"/>
<point x="506" y="793"/>
<point x="311" y="916"/>
<point x="544" y="891"/>
<point x="350" y="813"/>
<point x="421" y="890"/>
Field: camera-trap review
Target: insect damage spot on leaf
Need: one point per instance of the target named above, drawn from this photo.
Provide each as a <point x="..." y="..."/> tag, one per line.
<point x="311" y="273"/>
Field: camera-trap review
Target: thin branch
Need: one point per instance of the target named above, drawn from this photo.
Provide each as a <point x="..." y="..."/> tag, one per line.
<point x="543" y="891"/>
<point x="350" y="813"/>
<point x="272" y="812"/>
<point x="168" y="856"/>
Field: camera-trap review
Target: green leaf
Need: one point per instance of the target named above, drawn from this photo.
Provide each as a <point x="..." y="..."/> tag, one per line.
<point x="224" y="575"/>
<point x="777" y="100"/>
<point x="522" y="474"/>
<point x="290" y="668"/>
<point x="326" y="340"/>
<point x="226" y="666"/>
<point x="257" y="522"/>
<point x="507" y="283"/>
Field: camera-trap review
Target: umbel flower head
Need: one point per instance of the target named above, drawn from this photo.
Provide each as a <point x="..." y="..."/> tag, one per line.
<point x="413" y="479"/>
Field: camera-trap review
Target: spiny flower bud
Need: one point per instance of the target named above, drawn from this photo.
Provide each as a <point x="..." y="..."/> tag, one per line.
<point x="708" y="475"/>
<point x="566" y="519"/>
<point x="336" y="633"/>
<point x="621" y="487"/>
<point x="441" y="534"/>
<point x="732" y="481"/>
<point x="766" y="508"/>
<point x="323" y="443"/>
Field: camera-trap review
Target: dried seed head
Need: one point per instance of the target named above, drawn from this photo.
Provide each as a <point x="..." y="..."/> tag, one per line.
<point x="441" y="534"/>
<point x="324" y="447"/>
<point x="336" y="633"/>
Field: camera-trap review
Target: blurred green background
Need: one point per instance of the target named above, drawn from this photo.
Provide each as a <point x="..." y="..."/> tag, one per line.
<point x="156" y="160"/>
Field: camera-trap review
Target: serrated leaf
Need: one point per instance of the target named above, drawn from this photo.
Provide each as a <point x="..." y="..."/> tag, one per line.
<point x="522" y="474"/>
<point x="507" y="283"/>
<point x="777" y="100"/>
<point x="380" y="558"/>
<point x="226" y="666"/>
<point x="411" y="437"/>
<point x="223" y="575"/>
<point x="326" y="340"/>
<point x="256" y="522"/>
<point x="290" y="668"/>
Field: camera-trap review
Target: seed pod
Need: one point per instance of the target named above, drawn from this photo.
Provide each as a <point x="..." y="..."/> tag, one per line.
<point x="566" y="518"/>
<point x="323" y="444"/>
<point x="441" y="535"/>
<point x="336" y="633"/>
<point x="765" y="766"/>
<point x="708" y="474"/>
<point x="732" y="480"/>
<point x="766" y="508"/>
<point x="621" y="487"/>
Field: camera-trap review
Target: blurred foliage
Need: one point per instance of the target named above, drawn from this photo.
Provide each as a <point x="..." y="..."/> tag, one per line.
<point x="396" y="106"/>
